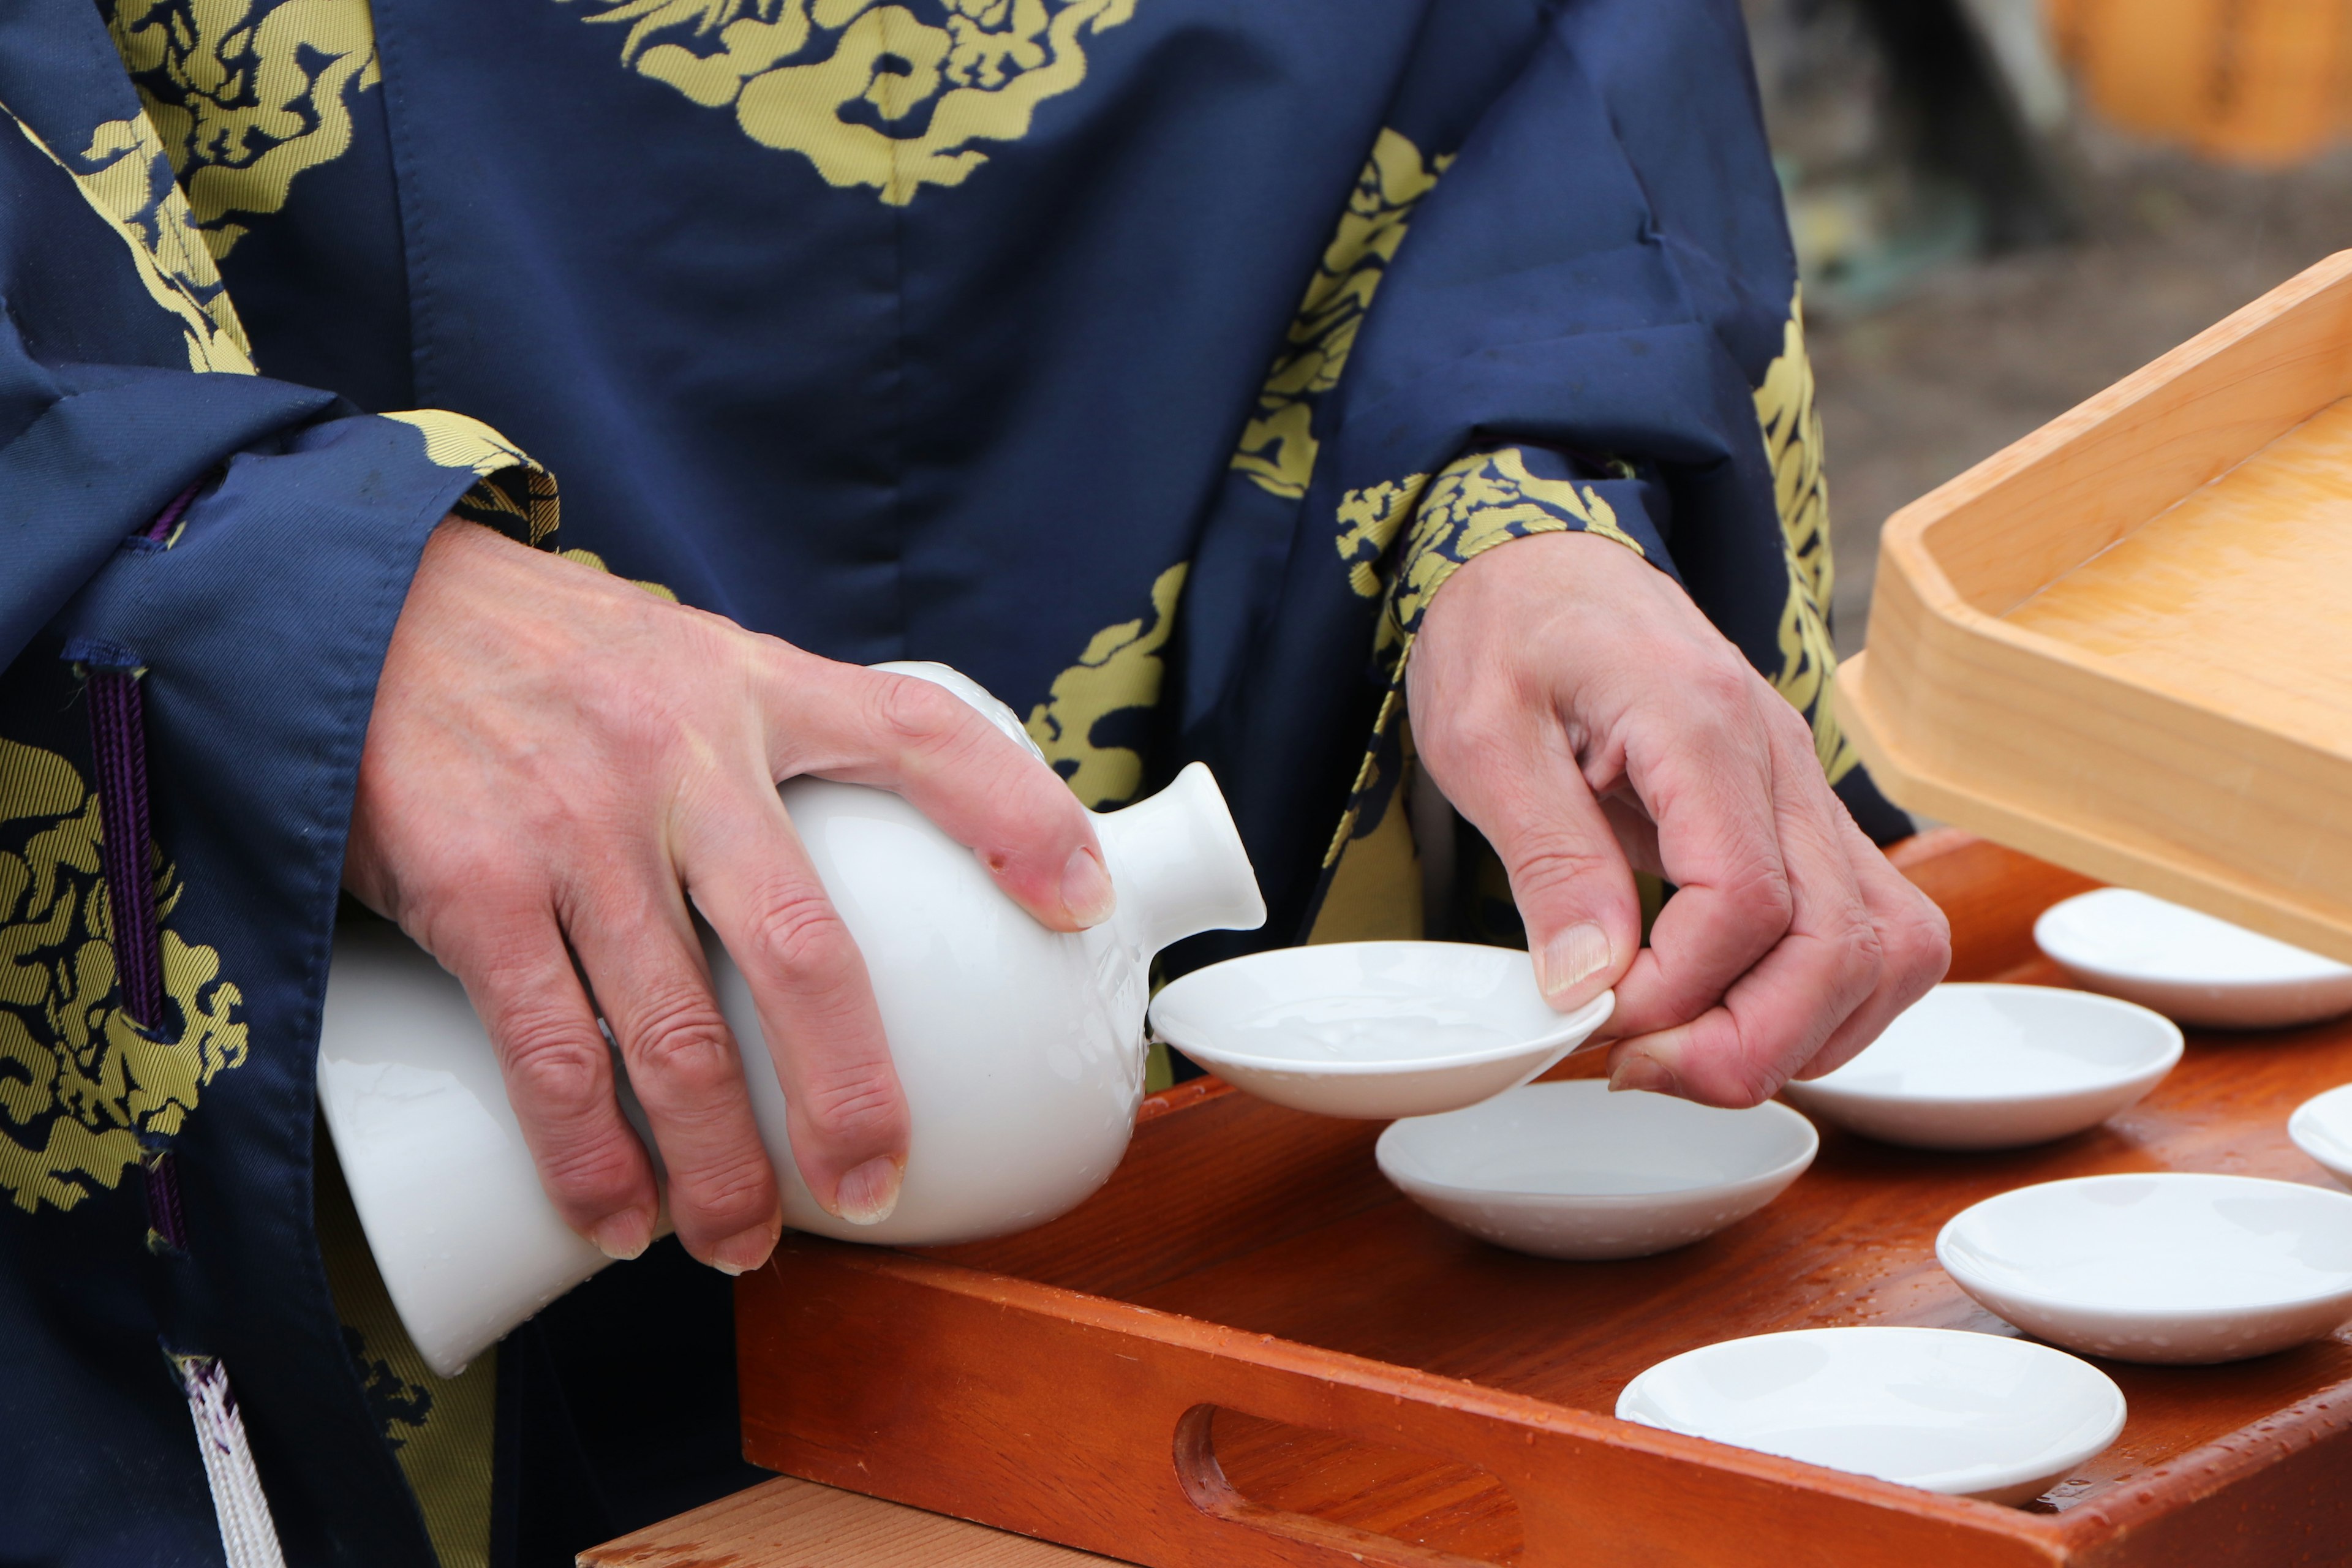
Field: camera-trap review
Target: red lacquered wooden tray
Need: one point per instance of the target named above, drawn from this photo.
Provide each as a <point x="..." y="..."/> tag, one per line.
<point x="1249" y="1350"/>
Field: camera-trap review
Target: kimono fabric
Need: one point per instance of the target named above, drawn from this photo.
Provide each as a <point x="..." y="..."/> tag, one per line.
<point x="1153" y="361"/>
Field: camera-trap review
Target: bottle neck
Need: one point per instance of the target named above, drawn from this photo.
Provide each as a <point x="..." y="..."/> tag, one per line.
<point x="1179" y="865"/>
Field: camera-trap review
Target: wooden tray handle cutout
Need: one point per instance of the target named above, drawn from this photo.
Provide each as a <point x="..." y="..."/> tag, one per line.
<point x="1426" y="1504"/>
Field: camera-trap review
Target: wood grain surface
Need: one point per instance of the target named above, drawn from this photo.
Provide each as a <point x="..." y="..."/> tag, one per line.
<point x="788" y="1523"/>
<point x="1249" y="1350"/>
<point x="2168" y="604"/>
<point x="2119" y="643"/>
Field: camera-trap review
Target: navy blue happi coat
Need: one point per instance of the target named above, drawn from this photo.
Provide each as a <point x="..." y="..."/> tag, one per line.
<point x="1152" y="360"/>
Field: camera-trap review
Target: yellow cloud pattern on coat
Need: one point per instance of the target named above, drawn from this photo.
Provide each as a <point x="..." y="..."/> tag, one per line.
<point x="1792" y="441"/>
<point x="515" y="495"/>
<point x="79" y="1083"/>
<point x="871" y="94"/>
<point x="1120" y="671"/>
<point x="1479" y="500"/>
<point x="1278" y="446"/>
<point x="127" y="181"/>
<point x="246" y="94"/>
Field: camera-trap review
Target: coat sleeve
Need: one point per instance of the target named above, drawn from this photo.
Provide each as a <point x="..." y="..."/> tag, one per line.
<point x="232" y="552"/>
<point x="1594" y="323"/>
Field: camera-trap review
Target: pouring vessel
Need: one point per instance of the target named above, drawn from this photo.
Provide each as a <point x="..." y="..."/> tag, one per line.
<point x="1020" y="1050"/>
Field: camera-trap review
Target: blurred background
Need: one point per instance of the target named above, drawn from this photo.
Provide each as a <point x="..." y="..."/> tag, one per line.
<point x="2000" y="207"/>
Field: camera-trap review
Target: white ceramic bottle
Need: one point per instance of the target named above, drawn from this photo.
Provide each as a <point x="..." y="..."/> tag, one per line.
<point x="1020" y="1050"/>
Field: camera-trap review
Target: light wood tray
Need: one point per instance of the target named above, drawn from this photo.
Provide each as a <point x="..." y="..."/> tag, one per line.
<point x="1249" y="1350"/>
<point x="2124" y="644"/>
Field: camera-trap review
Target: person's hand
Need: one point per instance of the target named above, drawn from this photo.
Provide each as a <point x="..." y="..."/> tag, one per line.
<point x="559" y="757"/>
<point x="1572" y="702"/>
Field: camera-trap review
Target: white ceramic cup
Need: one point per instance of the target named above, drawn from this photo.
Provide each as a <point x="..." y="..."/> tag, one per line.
<point x="1973" y="1415"/>
<point x="2167" y="1267"/>
<point x="2202" y="972"/>
<point x="1572" y="1170"/>
<point x="1996" y="1067"/>
<point x="2322" y="1128"/>
<point x="1372" y="1029"/>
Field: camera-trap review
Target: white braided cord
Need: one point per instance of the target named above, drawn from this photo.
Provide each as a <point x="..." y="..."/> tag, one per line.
<point x="248" y="1535"/>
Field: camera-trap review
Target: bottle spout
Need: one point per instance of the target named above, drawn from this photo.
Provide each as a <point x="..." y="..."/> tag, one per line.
<point x="1178" y="864"/>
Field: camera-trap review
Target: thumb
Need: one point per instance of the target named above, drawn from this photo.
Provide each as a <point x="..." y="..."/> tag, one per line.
<point x="1522" y="789"/>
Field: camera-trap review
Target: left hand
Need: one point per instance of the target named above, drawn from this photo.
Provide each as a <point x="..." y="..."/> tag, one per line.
<point x="1580" y="709"/>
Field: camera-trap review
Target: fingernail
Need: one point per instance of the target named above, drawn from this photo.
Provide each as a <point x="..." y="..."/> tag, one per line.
<point x="1087" y="892"/>
<point x="1639" y="1070"/>
<point x="868" y="1193"/>
<point x="624" y="1236"/>
<point x="747" y="1249"/>
<point x="1568" y="960"/>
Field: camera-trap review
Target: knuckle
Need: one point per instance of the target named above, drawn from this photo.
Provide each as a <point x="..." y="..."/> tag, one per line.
<point x="1476" y="726"/>
<point x="633" y="715"/>
<point x="1857" y="955"/>
<point x="1920" y="946"/>
<point x="682" y="1040"/>
<point x="1557" y="863"/>
<point x="916" y="712"/>
<point x="1784" y="715"/>
<point x="1790" y="729"/>
<point x="1861" y="962"/>
<point x="1719" y="684"/>
<point x="854" y="1105"/>
<point x="800" y="941"/>
<point x="552" y="1066"/>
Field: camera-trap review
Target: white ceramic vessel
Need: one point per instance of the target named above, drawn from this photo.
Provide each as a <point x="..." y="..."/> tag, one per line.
<point x="2202" y="972"/>
<point x="1972" y="1414"/>
<point x="1020" y="1050"/>
<point x="2171" y="1267"/>
<point x="2322" y="1128"/>
<point x="1372" y="1029"/>
<point x="1571" y="1169"/>
<point x="466" y="1242"/>
<point x="1996" y="1067"/>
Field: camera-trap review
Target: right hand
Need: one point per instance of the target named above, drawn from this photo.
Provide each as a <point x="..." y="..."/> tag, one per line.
<point x="557" y="757"/>
<point x="1582" y="712"/>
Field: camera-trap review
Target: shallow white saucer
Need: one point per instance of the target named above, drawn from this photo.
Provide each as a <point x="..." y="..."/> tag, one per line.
<point x="2322" y="1128"/>
<point x="1996" y="1067"/>
<point x="1571" y="1169"/>
<point x="2205" y="972"/>
<point x="1973" y="1415"/>
<point x="1373" y="1029"/>
<point x="2170" y="1266"/>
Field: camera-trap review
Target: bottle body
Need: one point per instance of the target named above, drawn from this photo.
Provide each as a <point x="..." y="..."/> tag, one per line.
<point x="1020" y="1050"/>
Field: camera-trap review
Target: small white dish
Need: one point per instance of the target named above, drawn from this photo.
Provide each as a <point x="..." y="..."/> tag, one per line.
<point x="1970" y="1414"/>
<point x="1996" y="1067"/>
<point x="1372" y="1029"/>
<point x="2170" y="1266"/>
<point x="2322" y="1128"/>
<point x="1571" y="1169"/>
<point x="2190" y="967"/>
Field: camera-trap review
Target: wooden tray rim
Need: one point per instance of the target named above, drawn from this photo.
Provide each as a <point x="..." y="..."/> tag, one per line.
<point x="2164" y="1489"/>
<point x="1903" y="540"/>
<point x="2286" y="1456"/>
